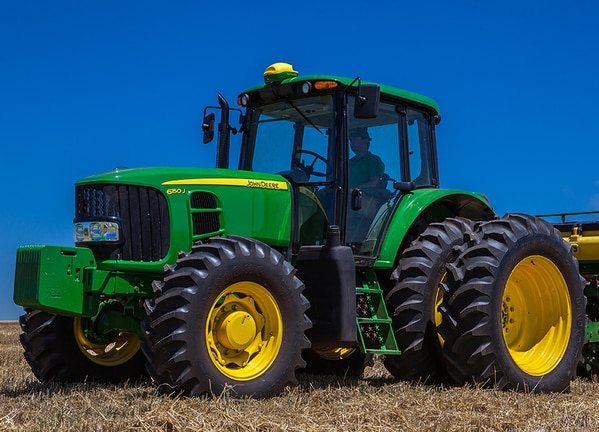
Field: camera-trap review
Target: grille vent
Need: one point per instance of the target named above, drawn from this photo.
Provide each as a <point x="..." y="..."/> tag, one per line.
<point x="205" y="214"/>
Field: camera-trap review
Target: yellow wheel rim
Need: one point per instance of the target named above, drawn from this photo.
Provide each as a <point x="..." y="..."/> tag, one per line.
<point x="244" y="331"/>
<point x="336" y="354"/>
<point x="438" y="300"/>
<point x="536" y="315"/>
<point x="115" y="353"/>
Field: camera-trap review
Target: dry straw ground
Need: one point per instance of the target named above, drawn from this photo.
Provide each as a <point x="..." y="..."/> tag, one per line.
<point x="375" y="403"/>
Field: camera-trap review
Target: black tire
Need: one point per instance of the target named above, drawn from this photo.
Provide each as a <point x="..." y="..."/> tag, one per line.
<point x="228" y="317"/>
<point x="348" y="362"/>
<point x="55" y="349"/>
<point x="514" y="309"/>
<point x="415" y="297"/>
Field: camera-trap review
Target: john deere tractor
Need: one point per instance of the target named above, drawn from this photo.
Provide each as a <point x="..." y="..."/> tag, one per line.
<point x="232" y="279"/>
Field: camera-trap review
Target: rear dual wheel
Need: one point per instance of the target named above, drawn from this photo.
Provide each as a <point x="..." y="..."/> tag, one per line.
<point x="414" y="299"/>
<point x="228" y="317"/>
<point x="513" y="308"/>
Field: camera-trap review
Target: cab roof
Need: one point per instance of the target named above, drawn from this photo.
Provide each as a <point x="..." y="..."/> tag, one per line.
<point x="344" y="81"/>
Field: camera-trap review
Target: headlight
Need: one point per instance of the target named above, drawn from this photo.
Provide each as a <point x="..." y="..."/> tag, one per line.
<point x="97" y="232"/>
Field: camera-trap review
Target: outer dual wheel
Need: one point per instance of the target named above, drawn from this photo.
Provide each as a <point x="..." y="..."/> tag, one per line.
<point x="415" y="297"/>
<point x="514" y="309"/>
<point x="59" y="348"/>
<point x="228" y="317"/>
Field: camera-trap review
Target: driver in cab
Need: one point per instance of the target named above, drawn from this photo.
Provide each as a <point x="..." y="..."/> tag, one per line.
<point x="365" y="168"/>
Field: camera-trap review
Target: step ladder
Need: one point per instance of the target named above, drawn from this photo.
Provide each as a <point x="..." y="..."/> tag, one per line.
<point x="375" y="329"/>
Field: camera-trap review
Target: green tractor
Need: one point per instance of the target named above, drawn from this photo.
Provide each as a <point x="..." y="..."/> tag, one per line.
<point x="330" y="242"/>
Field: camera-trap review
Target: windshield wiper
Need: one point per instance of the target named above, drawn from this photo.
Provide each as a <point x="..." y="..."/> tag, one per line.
<point x="305" y="117"/>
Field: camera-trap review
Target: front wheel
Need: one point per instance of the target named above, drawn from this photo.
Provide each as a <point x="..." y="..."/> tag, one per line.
<point x="63" y="349"/>
<point x="228" y="317"/>
<point x="514" y="309"/>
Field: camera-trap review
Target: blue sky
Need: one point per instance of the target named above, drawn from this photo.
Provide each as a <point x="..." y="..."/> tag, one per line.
<point x="86" y="86"/>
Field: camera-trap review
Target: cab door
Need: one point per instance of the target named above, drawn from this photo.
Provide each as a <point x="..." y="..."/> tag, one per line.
<point x="374" y="165"/>
<point x="401" y="138"/>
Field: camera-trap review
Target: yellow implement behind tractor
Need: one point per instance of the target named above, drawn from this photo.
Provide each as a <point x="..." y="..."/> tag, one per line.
<point x="583" y="236"/>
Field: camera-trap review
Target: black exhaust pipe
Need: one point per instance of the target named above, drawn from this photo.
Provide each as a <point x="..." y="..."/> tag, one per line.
<point x="224" y="138"/>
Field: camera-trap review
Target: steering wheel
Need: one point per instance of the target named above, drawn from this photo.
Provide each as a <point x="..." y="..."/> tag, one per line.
<point x="309" y="169"/>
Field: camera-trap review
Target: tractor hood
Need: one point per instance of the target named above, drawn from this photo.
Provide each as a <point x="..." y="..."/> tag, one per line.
<point x="166" y="177"/>
<point x="177" y="207"/>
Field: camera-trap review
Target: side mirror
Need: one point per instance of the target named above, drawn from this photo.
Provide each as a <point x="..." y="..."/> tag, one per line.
<point x="367" y="101"/>
<point x="404" y="187"/>
<point x="208" y="127"/>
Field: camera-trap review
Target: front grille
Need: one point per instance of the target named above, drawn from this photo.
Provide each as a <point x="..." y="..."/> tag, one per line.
<point x="142" y="212"/>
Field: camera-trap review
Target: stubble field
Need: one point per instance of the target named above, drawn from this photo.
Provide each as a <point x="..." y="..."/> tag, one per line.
<point x="374" y="403"/>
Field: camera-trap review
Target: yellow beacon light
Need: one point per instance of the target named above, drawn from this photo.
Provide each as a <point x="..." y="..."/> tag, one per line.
<point x="278" y="72"/>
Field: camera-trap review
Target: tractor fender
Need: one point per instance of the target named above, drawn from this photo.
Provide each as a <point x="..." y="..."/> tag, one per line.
<point x="418" y="208"/>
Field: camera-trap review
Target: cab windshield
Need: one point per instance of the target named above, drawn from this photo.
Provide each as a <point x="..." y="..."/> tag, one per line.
<point x="294" y="139"/>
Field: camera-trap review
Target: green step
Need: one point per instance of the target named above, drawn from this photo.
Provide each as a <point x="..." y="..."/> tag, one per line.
<point x="374" y="325"/>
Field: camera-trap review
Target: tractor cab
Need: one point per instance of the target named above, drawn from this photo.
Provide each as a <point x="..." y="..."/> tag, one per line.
<point x="349" y="151"/>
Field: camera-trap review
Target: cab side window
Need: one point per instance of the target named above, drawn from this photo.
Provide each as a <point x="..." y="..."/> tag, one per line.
<point x="419" y="146"/>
